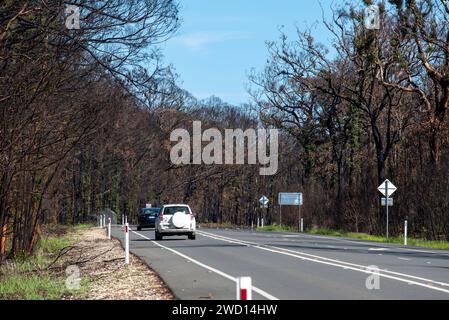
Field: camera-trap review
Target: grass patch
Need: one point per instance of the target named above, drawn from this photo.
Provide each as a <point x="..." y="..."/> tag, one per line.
<point x="51" y="245"/>
<point x="82" y="226"/>
<point x="25" y="278"/>
<point x="326" y="232"/>
<point x="211" y="225"/>
<point x="31" y="287"/>
<point x="227" y="225"/>
<point x="396" y="240"/>
<point x="277" y="228"/>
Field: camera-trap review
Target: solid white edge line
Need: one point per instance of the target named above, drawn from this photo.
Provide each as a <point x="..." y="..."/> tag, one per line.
<point x="247" y="243"/>
<point x="372" y="244"/>
<point x="344" y="265"/>
<point x="221" y="273"/>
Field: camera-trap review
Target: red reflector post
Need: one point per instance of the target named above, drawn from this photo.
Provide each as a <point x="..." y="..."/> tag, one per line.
<point x="244" y="288"/>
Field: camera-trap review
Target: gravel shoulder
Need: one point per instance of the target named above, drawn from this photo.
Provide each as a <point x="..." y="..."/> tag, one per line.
<point x="102" y="265"/>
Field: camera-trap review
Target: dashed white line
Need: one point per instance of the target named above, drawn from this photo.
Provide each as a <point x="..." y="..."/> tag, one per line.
<point x="211" y="269"/>
<point x="327" y="261"/>
<point x="306" y="235"/>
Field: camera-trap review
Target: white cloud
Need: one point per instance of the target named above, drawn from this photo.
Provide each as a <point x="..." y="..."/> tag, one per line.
<point x="201" y="40"/>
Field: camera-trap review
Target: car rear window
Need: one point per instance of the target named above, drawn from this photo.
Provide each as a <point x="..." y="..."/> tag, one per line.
<point x="173" y="210"/>
<point x="150" y="211"/>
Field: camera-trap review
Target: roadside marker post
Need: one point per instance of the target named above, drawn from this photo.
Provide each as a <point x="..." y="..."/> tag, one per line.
<point x="405" y="232"/>
<point x="126" y="243"/>
<point x="109" y="229"/>
<point x="101" y="221"/>
<point x="244" y="288"/>
<point x="123" y="220"/>
<point x="302" y="225"/>
<point x="104" y="221"/>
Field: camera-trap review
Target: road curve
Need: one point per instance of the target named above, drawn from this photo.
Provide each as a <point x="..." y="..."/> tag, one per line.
<point x="291" y="266"/>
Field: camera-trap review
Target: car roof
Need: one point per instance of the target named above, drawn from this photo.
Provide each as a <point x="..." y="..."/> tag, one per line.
<point x="175" y="205"/>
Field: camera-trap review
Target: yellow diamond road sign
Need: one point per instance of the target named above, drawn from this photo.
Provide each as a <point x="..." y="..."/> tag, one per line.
<point x="387" y="184"/>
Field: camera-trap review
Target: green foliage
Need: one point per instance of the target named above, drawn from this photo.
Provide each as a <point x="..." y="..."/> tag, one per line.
<point x="277" y="228"/>
<point x="225" y="225"/>
<point x="82" y="226"/>
<point x="326" y="232"/>
<point x="396" y="240"/>
<point x="31" y="287"/>
<point x="26" y="278"/>
<point x="51" y="245"/>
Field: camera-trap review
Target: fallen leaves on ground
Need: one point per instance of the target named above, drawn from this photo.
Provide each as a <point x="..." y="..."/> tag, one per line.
<point x="102" y="262"/>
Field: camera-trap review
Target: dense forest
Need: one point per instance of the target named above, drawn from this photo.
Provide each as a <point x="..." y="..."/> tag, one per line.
<point x="86" y="116"/>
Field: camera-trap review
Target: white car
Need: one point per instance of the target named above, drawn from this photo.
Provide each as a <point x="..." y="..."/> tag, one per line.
<point x="175" y="220"/>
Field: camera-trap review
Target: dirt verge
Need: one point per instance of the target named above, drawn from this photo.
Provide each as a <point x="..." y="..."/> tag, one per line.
<point x="101" y="262"/>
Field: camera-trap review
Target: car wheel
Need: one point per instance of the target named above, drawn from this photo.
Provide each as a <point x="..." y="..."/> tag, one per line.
<point x="139" y="229"/>
<point x="158" y="236"/>
<point x="192" y="236"/>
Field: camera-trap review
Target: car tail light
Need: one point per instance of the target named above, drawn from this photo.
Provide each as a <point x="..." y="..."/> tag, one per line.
<point x="161" y="217"/>
<point x="191" y="216"/>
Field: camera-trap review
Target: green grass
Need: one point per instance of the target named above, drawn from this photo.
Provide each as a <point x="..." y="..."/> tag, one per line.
<point x="81" y="226"/>
<point x="22" y="280"/>
<point x="277" y="228"/>
<point x="63" y="229"/>
<point x="228" y="225"/>
<point x="443" y="245"/>
<point x="398" y="240"/>
<point x="32" y="287"/>
<point x="51" y="245"/>
<point x="326" y="232"/>
<point x="211" y="225"/>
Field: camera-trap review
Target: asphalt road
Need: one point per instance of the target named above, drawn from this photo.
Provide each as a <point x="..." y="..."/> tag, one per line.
<point x="290" y="266"/>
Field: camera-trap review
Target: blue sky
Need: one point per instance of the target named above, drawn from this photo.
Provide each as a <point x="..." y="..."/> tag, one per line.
<point x="220" y="41"/>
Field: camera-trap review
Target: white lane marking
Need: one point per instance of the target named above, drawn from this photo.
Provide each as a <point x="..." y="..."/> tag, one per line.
<point x="332" y="262"/>
<point x="377" y="249"/>
<point x="211" y="269"/>
<point x="443" y="253"/>
<point x="306" y="235"/>
<point x="372" y="244"/>
<point x="405" y="259"/>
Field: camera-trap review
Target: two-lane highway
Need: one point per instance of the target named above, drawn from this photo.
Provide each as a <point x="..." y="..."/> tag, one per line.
<point x="291" y="266"/>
